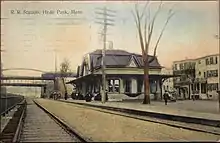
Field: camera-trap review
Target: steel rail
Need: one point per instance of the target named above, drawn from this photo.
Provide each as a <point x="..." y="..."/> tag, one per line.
<point x="64" y="125"/>
<point x="20" y="124"/>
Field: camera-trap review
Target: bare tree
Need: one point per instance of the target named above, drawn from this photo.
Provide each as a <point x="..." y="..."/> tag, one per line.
<point x="65" y="67"/>
<point x="143" y="21"/>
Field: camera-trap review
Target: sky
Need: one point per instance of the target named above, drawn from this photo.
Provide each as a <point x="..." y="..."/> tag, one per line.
<point x="30" y="40"/>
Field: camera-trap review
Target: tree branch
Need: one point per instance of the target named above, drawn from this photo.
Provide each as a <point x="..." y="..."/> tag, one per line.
<point x="135" y="18"/>
<point x="139" y="30"/>
<point x="161" y="34"/>
<point x="145" y="37"/>
<point x="145" y="7"/>
<point x="151" y="25"/>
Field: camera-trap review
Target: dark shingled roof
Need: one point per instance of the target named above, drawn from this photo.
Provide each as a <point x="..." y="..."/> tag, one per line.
<point x="119" y="58"/>
<point x="115" y="58"/>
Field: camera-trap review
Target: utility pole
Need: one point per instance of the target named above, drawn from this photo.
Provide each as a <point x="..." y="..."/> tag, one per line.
<point x="55" y="66"/>
<point x="105" y="21"/>
<point x="55" y="62"/>
<point x="218" y="76"/>
<point x="1" y="83"/>
<point x="218" y="79"/>
<point x="217" y="37"/>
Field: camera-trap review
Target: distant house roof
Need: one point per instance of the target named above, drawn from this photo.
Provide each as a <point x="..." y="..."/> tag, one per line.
<point x="195" y="59"/>
<point x="119" y="58"/>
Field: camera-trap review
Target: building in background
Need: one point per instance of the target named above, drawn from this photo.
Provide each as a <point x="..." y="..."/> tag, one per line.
<point x="211" y="74"/>
<point x="168" y="83"/>
<point x="199" y="77"/>
<point x="185" y="68"/>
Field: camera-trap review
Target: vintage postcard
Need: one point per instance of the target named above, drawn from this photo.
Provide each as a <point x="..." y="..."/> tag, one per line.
<point x="109" y="71"/>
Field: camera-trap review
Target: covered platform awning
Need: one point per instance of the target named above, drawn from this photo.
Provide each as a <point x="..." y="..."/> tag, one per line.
<point x="83" y="78"/>
<point x="152" y="76"/>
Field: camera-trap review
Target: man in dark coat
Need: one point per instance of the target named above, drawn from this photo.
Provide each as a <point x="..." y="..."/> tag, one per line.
<point x="166" y="96"/>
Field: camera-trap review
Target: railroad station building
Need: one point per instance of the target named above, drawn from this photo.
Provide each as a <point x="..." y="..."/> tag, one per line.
<point x="124" y="75"/>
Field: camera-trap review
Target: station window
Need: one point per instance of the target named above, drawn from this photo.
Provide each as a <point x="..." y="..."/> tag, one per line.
<point x="116" y="85"/>
<point x="113" y="85"/>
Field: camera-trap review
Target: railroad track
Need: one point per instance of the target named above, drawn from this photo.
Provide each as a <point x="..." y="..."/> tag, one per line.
<point x="42" y="126"/>
<point x="11" y="131"/>
<point x="176" y="124"/>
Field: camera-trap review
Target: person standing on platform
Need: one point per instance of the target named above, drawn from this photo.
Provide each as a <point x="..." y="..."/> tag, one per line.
<point x="165" y="96"/>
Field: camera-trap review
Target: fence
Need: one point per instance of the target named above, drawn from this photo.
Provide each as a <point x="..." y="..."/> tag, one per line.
<point x="9" y="101"/>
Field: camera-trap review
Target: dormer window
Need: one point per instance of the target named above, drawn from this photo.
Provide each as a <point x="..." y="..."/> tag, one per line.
<point x="132" y="62"/>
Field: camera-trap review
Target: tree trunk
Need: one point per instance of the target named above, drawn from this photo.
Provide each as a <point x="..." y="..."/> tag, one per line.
<point x="146" y="83"/>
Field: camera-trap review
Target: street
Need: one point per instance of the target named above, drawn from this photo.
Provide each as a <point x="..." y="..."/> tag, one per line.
<point x="197" y="105"/>
<point x="205" y="106"/>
